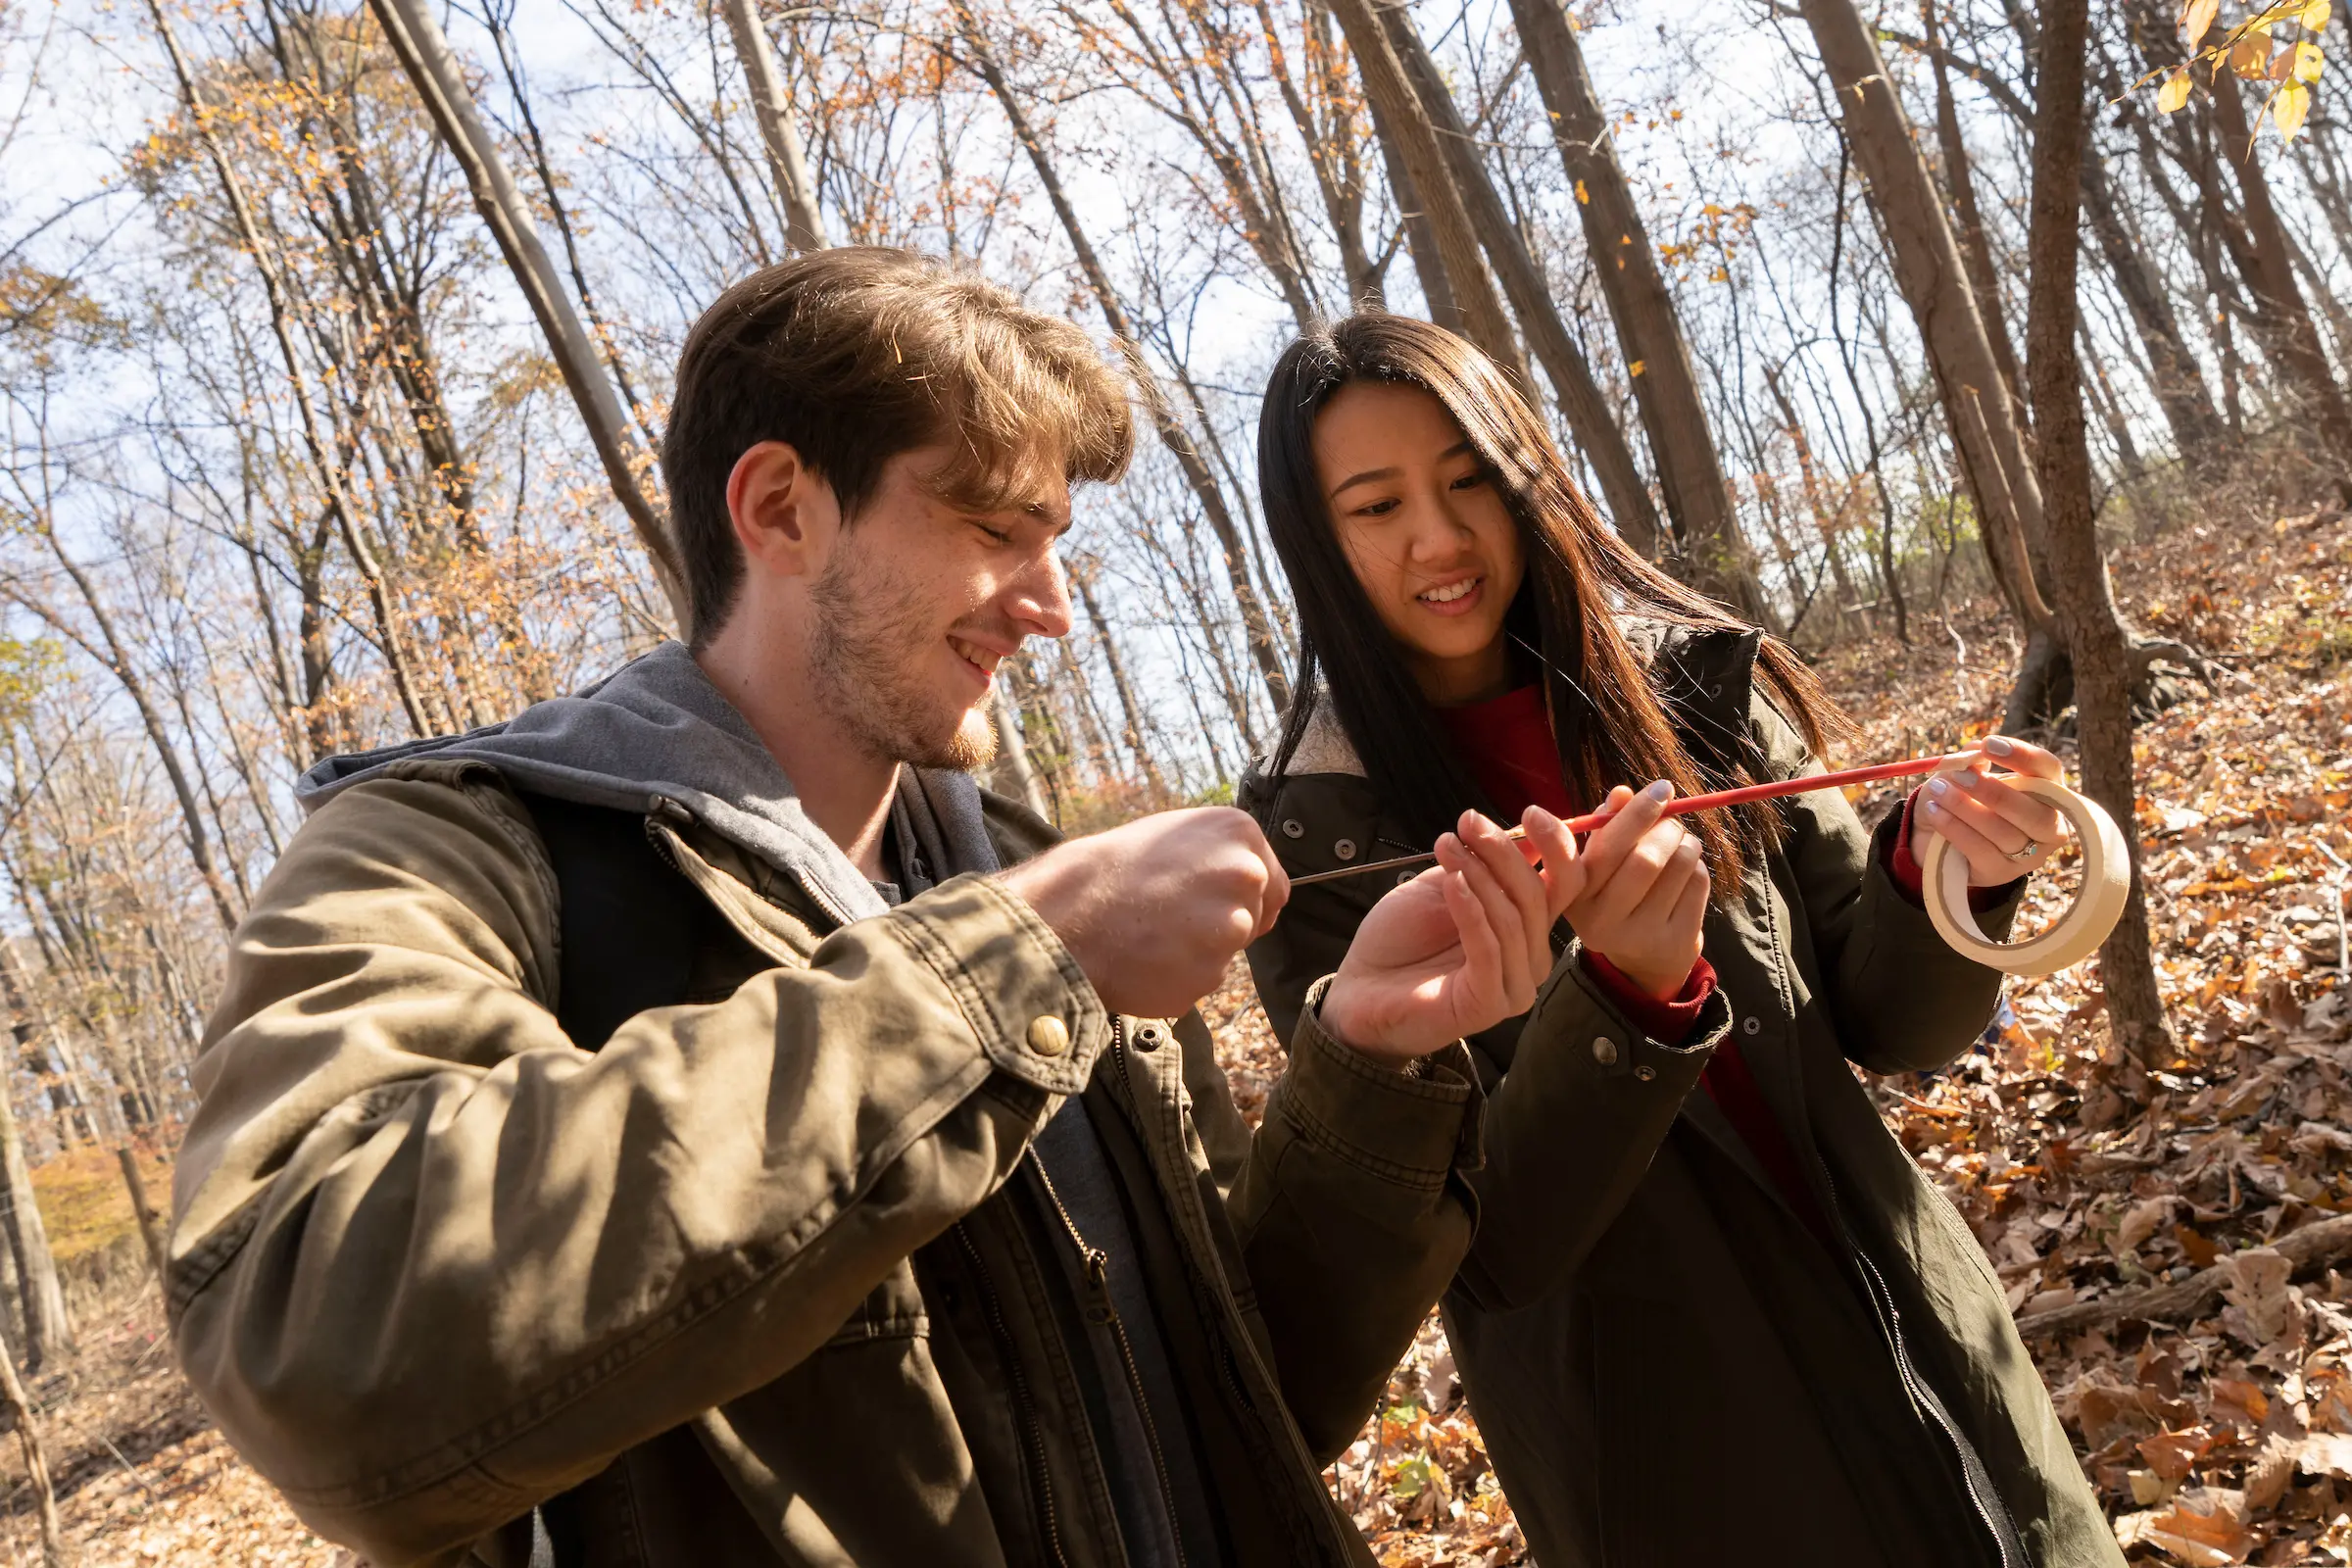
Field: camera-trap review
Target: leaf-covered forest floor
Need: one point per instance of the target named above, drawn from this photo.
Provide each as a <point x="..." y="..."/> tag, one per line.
<point x="2225" y="1438"/>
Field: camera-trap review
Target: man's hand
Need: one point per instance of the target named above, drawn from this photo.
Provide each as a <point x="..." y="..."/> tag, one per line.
<point x="1644" y="895"/>
<point x="1460" y="948"/>
<point x="2004" y="833"/>
<point x="1155" y="911"/>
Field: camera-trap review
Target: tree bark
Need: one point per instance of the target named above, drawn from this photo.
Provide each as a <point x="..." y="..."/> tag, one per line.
<point x="2313" y="1246"/>
<point x="1138" y="742"/>
<point x="1331" y="144"/>
<point x="2261" y="247"/>
<point x="771" y="106"/>
<point x="54" y="1553"/>
<point x="48" y="1328"/>
<point x="1402" y="121"/>
<point x="425" y="55"/>
<point x="1420" y="236"/>
<point x="1590" y="420"/>
<point x="1649" y="329"/>
<point x="1976" y="246"/>
<point x="150" y="1228"/>
<point x="1016" y="777"/>
<point x="2099" y="645"/>
<point x="2179" y="384"/>
<point x="1264" y="648"/>
<point x="1933" y="279"/>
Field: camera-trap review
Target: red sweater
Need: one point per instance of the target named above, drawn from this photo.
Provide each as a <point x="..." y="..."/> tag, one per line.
<point x="1508" y="745"/>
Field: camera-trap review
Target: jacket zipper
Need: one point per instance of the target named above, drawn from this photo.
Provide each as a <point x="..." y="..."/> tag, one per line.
<point x="1316" y="1518"/>
<point x="1032" y="1430"/>
<point x="1992" y="1515"/>
<point x="1100" y="1310"/>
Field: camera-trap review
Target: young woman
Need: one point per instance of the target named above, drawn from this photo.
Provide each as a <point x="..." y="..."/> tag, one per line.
<point x="1713" y="1314"/>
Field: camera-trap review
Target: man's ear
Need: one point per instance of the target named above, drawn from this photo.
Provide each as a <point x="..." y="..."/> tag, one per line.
<point x="783" y="510"/>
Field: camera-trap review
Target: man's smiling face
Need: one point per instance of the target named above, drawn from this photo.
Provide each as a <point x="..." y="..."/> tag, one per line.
<point x="918" y="602"/>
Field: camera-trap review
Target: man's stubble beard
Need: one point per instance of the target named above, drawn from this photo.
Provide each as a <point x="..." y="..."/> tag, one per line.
<point x="865" y="642"/>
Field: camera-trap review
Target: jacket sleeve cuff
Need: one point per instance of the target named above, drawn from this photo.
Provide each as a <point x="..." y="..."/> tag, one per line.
<point x="1414" y="1129"/>
<point x="1621" y="1048"/>
<point x="1668" y="1018"/>
<point x="1910" y="878"/>
<point x="1034" y="1010"/>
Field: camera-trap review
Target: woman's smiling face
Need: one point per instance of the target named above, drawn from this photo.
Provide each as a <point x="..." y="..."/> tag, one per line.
<point x="1423" y="525"/>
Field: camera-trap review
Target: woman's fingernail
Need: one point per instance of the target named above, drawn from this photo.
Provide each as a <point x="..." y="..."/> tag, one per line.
<point x="1931" y="808"/>
<point x="1938" y="786"/>
<point x="1660" y="790"/>
<point x="1999" y="745"/>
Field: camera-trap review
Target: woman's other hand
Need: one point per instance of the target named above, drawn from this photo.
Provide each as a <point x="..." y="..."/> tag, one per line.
<point x="2001" y="831"/>
<point x="1644" y="901"/>
<point x="1460" y="948"/>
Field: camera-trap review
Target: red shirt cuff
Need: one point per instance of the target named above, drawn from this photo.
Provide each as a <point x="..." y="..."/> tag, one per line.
<point x="1911" y="879"/>
<point x="1669" y="1021"/>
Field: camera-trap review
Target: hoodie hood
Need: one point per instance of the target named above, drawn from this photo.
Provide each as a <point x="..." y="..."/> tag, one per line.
<point x="657" y="731"/>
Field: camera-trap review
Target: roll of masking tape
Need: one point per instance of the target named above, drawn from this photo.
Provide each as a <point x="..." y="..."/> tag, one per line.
<point x="2106" y="881"/>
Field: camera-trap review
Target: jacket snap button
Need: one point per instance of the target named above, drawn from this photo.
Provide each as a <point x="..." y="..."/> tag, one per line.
<point x="1645" y="1072"/>
<point x="1148" y="1037"/>
<point x="1749" y="1026"/>
<point x="1345" y="849"/>
<point x="1604" y="1052"/>
<point x="1292" y="828"/>
<point x="1402" y="877"/>
<point x="1048" y="1036"/>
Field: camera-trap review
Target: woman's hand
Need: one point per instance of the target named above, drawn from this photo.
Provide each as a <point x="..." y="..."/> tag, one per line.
<point x="2003" y="832"/>
<point x="1644" y="895"/>
<point x="1460" y="948"/>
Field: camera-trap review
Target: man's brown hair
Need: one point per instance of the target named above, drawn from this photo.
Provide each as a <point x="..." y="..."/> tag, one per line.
<point x="856" y="355"/>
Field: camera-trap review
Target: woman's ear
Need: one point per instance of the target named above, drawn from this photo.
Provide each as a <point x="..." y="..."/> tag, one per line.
<point x="784" y="513"/>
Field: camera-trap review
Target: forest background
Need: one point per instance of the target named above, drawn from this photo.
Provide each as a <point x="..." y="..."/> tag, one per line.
<point x="335" y="337"/>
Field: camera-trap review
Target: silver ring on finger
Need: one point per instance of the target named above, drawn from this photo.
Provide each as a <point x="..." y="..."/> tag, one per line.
<point x="2032" y="849"/>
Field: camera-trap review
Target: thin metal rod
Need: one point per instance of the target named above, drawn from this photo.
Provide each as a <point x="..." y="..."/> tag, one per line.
<point x="1804" y="785"/>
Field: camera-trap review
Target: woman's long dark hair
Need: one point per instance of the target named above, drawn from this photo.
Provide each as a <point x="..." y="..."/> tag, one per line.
<point x="1611" y="724"/>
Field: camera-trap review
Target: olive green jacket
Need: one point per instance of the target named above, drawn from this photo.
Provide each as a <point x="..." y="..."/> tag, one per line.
<point x="430" y="1265"/>
<point x="1666" y="1364"/>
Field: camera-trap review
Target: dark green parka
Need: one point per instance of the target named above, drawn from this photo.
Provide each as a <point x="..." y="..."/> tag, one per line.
<point x="1667" y="1364"/>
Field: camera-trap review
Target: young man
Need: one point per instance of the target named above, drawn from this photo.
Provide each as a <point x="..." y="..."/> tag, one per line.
<point x="692" y="1124"/>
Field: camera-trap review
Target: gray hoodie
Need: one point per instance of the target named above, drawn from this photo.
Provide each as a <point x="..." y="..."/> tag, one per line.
<point x="657" y="730"/>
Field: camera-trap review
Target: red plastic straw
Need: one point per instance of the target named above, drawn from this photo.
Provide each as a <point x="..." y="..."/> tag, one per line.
<point x="1805" y="785"/>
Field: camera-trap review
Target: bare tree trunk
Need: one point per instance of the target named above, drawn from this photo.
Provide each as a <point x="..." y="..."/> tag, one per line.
<point x="2262" y="251"/>
<point x="1690" y="465"/>
<point x="1138" y="741"/>
<point x="416" y="38"/>
<point x="2101" y="648"/>
<point x="48" y="1328"/>
<point x="1976" y="246"/>
<point x="150" y="1228"/>
<point x="2179" y="384"/>
<point x="1016" y="777"/>
<point x="1401" y="124"/>
<point x="54" y="1553"/>
<point x="1420" y="236"/>
<point x="1984" y="423"/>
<point x="771" y="105"/>
<point x="1590" y="420"/>
<point x="1826" y="519"/>
<point x="1264" y="648"/>
<point x="1331" y="145"/>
